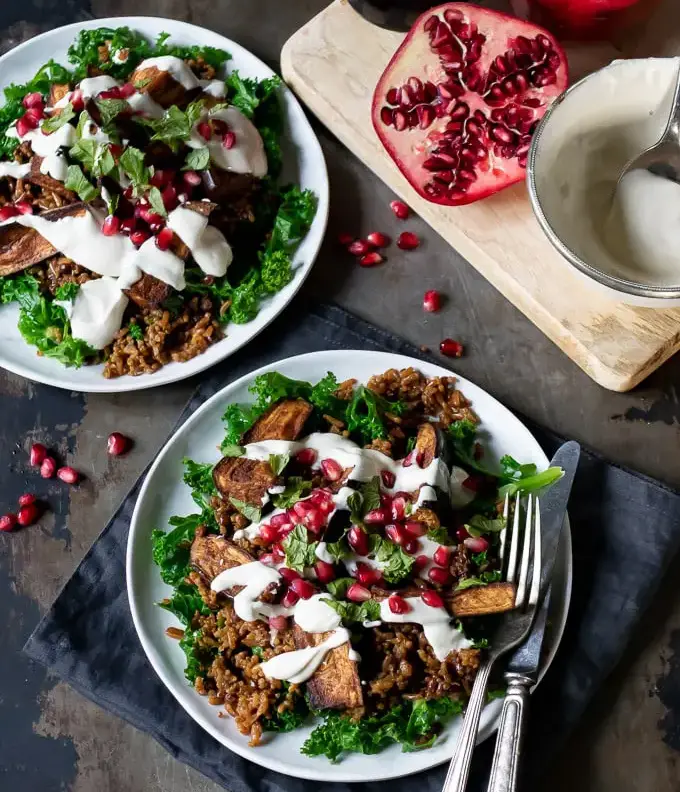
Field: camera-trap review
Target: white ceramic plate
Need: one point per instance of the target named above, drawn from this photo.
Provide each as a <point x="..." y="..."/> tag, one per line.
<point x="303" y="164"/>
<point x="164" y="494"/>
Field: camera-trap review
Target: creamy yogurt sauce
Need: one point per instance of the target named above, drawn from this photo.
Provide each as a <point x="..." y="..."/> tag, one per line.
<point x="15" y="169"/>
<point x="97" y="311"/>
<point x="142" y="103"/>
<point x="612" y="117"/>
<point x="49" y="147"/>
<point x="175" y="67"/>
<point x="247" y="155"/>
<point x="215" y="88"/>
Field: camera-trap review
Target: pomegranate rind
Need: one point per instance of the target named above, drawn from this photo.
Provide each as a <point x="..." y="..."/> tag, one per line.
<point x="412" y="145"/>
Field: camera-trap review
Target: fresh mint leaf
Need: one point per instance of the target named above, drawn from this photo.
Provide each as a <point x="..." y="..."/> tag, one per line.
<point x="492" y="576"/>
<point x="531" y="483"/>
<point x="480" y="525"/>
<point x="355" y="612"/>
<point x="300" y="552"/>
<point x="469" y="582"/>
<point x="76" y="181"/>
<point x="394" y="562"/>
<point x="278" y="462"/>
<point x="232" y="450"/>
<point x="67" y="292"/>
<point x="156" y="201"/>
<point x="109" y="109"/>
<point x="356" y="511"/>
<point x="112" y="201"/>
<point x="197" y="159"/>
<point x="370" y="491"/>
<point x="132" y="163"/>
<point x="175" y="125"/>
<point x="252" y="513"/>
<point x="440" y="535"/>
<point x="57" y="121"/>
<point x="95" y="157"/>
<point x="296" y="489"/>
<point x="339" y="550"/>
<point x="338" y="588"/>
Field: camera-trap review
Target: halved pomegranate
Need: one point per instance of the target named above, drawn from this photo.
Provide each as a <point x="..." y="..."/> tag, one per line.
<point x="457" y="104"/>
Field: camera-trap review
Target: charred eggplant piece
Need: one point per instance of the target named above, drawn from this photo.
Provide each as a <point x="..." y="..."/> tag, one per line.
<point x="282" y="421"/>
<point x="44" y="180"/>
<point x="482" y="600"/>
<point x="430" y="444"/>
<point x="162" y="87"/>
<point x="212" y="554"/>
<point x="336" y="683"/>
<point x="246" y="480"/>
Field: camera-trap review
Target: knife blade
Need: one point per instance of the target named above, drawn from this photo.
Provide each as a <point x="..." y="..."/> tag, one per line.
<point x="526" y="658"/>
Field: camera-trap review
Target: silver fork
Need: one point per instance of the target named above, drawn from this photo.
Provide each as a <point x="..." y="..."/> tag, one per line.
<point x="513" y="628"/>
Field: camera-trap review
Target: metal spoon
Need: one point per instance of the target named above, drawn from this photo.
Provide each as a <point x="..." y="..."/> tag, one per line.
<point x="663" y="158"/>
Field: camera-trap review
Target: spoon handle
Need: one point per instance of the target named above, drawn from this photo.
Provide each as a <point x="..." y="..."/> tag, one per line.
<point x="672" y="132"/>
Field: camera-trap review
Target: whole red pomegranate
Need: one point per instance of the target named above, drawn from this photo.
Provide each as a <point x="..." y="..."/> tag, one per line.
<point x="457" y="104"/>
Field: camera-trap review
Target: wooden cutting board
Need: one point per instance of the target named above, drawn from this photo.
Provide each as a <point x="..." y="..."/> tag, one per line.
<point x="333" y="64"/>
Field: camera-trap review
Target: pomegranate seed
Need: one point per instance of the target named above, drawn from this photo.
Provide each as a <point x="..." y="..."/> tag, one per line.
<point x="128" y="193"/>
<point x="23" y="127"/>
<point x="331" y="469"/>
<point x="358" y="540"/>
<point x="48" y="467"/>
<point x="411" y="546"/>
<point x="111" y="93"/>
<point x="302" y="507"/>
<point x="278" y="552"/>
<point x="398" y="508"/>
<point x="23" y="207"/>
<point x="77" y="100"/>
<point x="421" y="562"/>
<point x="398" y="604"/>
<point x="439" y="575"/>
<point x="321" y="496"/>
<point x="451" y="348"/>
<point x="159" y="179"/>
<point x="218" y="126"/>
<point x="407" y="241"/>
<point x="416" y="529"/>
<point x="388" y="478"/>
<point x="289" y="575"/>
<point x="229" y="140"/>
<point x="29" y="514"/>
<point x="37" y="454"/>
<point x="68" y="475"/>
<point x="294" y="517"/>
<point x="360" y="247"/>
<point x="345" y="239"/>
<point x="358" y="593"/>
<point x="8" y="522"/>
<point x="111" y="226"/>
<point x="128" y="225"/>
<point x="376" y="517"/>
<point x="139" y="237"/>
<point x="204" y="130"/>
<point x="8" y="211"/>
<point x="378" y="239"/>
<point x="442" y="556"/>
<point x="32" y="100"/>
<point x="278" y="520"/>
<point x="169" y="196"/>
<point x="367" y="575"/>
<point x="325" y="572"/>
<point x="34" y="116"/>
<point x="396" y="533"/>
<point x="191" y="178"/>
<point x="431" y="598"/>
<point x="432" y="301"/>
<point x="303" y="588"/>
<point x="164" y="239"/>
<point x="268" y="533"/>
<point x="473" y="483"/>
<point x="478" y="544"/>
<point x="278" y="622"/>
<point x="24" y="500"/>
<point x="315" y="520"/>
<point x="408" y="460"/>
<point x="267" y="559"/>
<point x="462" y="533"/>
<point x="289" y="598"/>
<point x="126" y="90"/>
<point x="307" y="456"/>
<point x="400" y="209"/>
<point x="371" y="259"/>
<point x="117" y="444"/>
<point x="386" y="501"/>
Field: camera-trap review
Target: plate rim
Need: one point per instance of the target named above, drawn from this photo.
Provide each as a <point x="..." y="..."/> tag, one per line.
<point x="242" y="749"/>
<point x="199" y="364"/>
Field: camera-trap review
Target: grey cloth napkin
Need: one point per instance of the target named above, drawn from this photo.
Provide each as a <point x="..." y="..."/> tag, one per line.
<point x="626" y="529"/>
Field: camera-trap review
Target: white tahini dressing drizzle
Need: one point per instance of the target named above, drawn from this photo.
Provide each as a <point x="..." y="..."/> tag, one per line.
<point x="97" y="311"/>
<point x="93" y="86"/>
<point x="214" y="88"/>
<point x="49" y="147"/>
<point x="247" y="155"/>
<point x="142" y="103"/>
<point x="16" y="170"/>
<point x="460" y="495"/>
<point x="211" y="251"/>
<point x="162" y="264"/>
<point x="175" y="67"/>
<point x="442" y="636"/>
<point x="255" y="577"/>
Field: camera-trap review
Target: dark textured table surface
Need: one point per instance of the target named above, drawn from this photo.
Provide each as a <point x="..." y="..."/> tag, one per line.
<point x="50" y="738"/>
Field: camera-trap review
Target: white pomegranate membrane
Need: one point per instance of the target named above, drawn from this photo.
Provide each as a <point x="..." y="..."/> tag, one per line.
<point x="461" y="98"/>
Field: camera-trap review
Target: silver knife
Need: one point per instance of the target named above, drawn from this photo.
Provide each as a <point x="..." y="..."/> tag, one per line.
<point x="522" y="670"/>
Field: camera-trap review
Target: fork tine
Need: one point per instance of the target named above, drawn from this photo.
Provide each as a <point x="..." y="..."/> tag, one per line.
<point x="526" y="551"/>
<point x="514" y="544"/>
<point x="506" y="511"/>
<point x="538" y="563"/>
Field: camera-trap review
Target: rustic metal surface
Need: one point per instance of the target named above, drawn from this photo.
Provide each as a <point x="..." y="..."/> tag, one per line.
<point x="50" y="738"/>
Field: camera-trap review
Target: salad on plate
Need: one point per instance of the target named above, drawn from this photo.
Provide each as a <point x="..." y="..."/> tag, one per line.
<point x="341" y="559"/>
<point x="140" y="209"/>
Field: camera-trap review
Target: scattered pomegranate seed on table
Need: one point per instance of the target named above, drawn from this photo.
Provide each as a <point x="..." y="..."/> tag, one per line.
<point x="68" y="475"/>
<point x="378" y="239"/>
<point x="451" y="348"/>
<point x="8" y="522"/>
<point x="432" y="301"/>
<point x="407" y="240"/>
<point x="360" y="247"/>
<point x="48" y="467"/>
<point x="38" y="454"/>
<point x="28" y="514"/>
<point x="24" y="500"/>
<point x="371" y="259"/>
<point x="118" y="444"/>
<point x="400" y="209"/>
<point x="345" y="239"/>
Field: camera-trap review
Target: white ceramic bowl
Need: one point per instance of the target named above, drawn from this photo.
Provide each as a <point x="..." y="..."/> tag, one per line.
<point x="581" y="146"/>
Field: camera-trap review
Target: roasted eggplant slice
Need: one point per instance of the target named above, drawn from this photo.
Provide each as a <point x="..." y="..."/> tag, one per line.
<point x="22" y="247"/>
<point x="430" y="443"/>
<point x="57" y="92"/>
<point x="482" y="600"/>
<point x="282" y="421"/>
<point x="44" y="180"/>
<point x="244" y="479"/>
<point x="149" y="292"/>
<point x="212" y="554"/>
<point x="162" y="87"/>
<point x="336" y="683"/>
